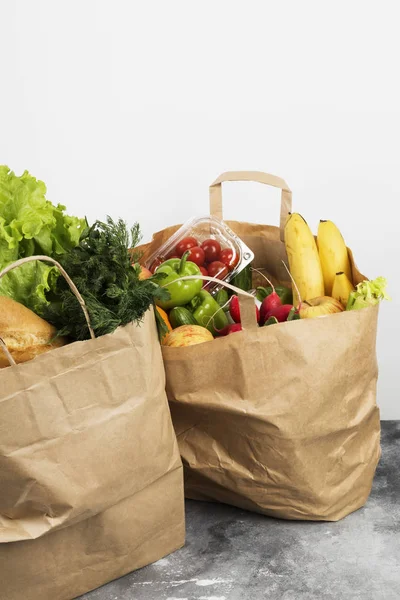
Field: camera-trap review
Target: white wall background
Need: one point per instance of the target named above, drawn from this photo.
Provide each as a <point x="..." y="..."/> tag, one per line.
<point x="132" y="108"/>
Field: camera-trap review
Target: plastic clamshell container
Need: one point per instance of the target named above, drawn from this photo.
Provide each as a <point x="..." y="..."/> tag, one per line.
<point x="204" y="228"/>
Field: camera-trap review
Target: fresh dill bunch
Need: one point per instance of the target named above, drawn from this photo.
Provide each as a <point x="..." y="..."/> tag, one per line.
<point x="101" y="268"/>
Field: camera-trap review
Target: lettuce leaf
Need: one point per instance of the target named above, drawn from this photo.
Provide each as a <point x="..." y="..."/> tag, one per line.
<point x="368" y="293"/>
<point x="29" y="225"/>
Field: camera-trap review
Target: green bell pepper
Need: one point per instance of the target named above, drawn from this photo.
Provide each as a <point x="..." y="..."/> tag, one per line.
<point x="181" y="292"/>
<point x="222" y="297"/>
<point x="208" y="312"/>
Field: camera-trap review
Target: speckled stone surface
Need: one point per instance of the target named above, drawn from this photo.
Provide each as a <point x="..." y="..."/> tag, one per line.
<point x="231" y="554"/>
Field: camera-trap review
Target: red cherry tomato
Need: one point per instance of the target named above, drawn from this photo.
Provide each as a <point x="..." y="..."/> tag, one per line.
<point x="196" y="255"/>
<point x="217" y="269"/>
<point x="204" y="272"/>
<point x="229" y="257"/>
<point x="156" y="263"/>
<point x="172" y="255"/>
<point x="185" y="244"/>
<point x="212" y="250"/>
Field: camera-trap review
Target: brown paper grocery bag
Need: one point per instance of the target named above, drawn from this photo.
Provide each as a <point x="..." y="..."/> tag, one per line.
<point x="91" y="482"/>
<point x="281" y="420"/>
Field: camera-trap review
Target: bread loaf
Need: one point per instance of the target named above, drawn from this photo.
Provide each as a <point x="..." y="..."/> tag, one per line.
<point x="25" y="334"/>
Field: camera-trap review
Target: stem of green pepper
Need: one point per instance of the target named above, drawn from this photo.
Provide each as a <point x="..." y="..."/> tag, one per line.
<point x="183" y="263"/>
<point x="194" y="303"/>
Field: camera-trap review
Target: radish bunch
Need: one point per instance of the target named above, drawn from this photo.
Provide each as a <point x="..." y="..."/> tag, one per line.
<point x="272" y="308"/>
<point x="271" y="311"/>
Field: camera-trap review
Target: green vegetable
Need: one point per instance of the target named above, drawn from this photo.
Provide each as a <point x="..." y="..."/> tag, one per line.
<point x="222" y="297"/>
<point x="208" y="312"/>
<point x="102" y="271"/>
<point x="181" y="292"/>
<point x="368" y="293"/>
<point x="244" y="279"/>
<point x="293" y="314"/>
<point x="181" y="316"/>
<point x="29" y="225"/>
<point x="271" y="321"/>
<point x="284" y="293"/>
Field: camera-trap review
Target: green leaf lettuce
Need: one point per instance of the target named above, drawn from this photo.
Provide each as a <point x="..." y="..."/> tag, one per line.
<point x="30" y="225"/>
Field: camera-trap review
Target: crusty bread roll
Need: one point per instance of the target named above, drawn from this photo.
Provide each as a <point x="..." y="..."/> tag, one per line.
<point x="25" y="334"/>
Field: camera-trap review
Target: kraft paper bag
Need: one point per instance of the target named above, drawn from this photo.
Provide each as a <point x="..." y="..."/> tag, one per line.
<point x="283" y="419"/>
<point x="91" y="482"/>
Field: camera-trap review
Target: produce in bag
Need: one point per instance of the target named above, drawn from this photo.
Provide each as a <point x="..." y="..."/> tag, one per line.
<point x="276" y="302"/>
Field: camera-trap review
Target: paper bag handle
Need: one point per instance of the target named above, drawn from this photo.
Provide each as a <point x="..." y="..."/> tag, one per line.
<point x="246" y="301"/>
<point x="259" y="177"/>
<point x="68" y="279"/>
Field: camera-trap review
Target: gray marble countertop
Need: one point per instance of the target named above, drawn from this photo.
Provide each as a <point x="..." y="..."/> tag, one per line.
<point x="231" y="554"/>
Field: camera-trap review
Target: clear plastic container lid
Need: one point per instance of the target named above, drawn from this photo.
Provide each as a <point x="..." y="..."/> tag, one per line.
<point x="212" y="245"/>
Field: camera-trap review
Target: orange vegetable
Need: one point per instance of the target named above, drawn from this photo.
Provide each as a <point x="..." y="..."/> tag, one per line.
<point x="163" y="324"/>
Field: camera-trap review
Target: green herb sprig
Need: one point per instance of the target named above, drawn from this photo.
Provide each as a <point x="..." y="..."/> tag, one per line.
<point x="101" y="268"/>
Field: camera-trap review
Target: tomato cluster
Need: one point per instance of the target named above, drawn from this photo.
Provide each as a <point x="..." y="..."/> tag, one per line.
<point x="209" y="256"/>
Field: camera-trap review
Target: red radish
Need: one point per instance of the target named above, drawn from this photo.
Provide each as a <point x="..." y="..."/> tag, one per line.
<point x="268" y="306"/>
<point x="281" y="312"/>
<point x="234" y="310"/>
<point x="258" y="314"/>
<point x="230" y="329"/>
<point x="269" y="303"/>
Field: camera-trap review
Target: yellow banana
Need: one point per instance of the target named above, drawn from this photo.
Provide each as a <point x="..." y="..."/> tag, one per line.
<point x="342" y="287"/>
<point x="304" y="262"/>
<point x="332" y="253"/>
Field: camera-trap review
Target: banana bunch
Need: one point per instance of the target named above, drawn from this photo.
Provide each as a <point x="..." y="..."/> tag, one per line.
<point x="319" y="268"/>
